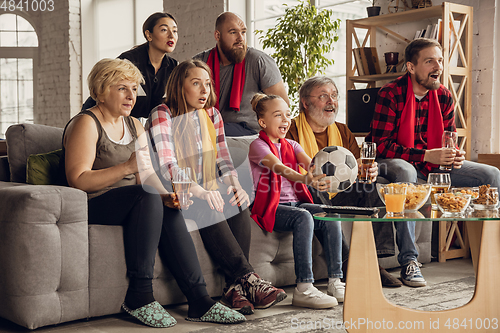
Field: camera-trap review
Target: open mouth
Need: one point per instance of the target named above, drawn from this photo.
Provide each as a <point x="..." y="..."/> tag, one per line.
<point x="330" y="109"/>
<point x="283" y="129"/>
<point x="202" y="100"/>
<point x="434" y="76"/>
<point x="170" y="43"/>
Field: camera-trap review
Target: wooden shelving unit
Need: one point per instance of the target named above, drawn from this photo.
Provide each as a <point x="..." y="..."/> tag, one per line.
<point x="452" y="75"/>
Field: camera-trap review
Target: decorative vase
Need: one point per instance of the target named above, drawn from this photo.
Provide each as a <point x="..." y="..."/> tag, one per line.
<point x="373" y="11"/>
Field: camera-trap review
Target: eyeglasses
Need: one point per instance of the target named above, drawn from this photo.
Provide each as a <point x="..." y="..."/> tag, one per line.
<point x="326" y="97"/>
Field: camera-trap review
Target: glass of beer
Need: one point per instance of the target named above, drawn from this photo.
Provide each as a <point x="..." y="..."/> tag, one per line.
<point x="368" y="154"/>
<point x="181" y="183"/>
<point x="440" y="183"/>
<point x="449" y="140"/>
<point x="395" y="197"/>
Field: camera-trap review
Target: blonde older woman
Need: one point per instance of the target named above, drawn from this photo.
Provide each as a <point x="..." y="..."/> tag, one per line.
<point x="101" y="159"/>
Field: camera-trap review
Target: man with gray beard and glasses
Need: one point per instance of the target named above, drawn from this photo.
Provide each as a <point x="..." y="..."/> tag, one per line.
<point x="315" y="128"/>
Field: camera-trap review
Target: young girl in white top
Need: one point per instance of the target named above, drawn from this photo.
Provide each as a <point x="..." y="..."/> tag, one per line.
<point x="283" y="202"/>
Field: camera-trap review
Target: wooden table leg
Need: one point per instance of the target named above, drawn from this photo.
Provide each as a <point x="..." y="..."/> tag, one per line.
<point x="367" y="310"/>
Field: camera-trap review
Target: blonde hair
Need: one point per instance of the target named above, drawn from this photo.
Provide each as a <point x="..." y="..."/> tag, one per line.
<point x="174" y="91"/>
<point x="107" y="72"/>
<point x="258" y="101"/>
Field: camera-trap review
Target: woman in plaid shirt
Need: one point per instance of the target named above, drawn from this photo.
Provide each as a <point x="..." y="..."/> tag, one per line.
<point x="187" y="131"/>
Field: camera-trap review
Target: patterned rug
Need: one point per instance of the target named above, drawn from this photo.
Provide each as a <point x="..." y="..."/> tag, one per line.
<point x="441" y="296"/>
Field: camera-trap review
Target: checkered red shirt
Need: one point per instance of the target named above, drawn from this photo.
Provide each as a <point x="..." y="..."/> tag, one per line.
<point x="387" y="118"/>
<point x="159" y="127"/>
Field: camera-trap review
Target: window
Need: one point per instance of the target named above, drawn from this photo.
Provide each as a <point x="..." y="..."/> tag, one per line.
<point x="266" y="12"/>
<point x="18" y="45"/>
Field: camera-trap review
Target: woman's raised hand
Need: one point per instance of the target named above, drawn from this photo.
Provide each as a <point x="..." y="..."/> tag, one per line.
<point x="240" y="195"/>
<point x="214" y="200"/>
<point x="139" y="160"/>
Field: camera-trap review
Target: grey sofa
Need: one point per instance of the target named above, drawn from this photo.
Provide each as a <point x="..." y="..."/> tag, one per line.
<point x="55" y="268"/>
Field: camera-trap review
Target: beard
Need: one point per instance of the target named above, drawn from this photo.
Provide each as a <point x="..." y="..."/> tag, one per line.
<point x="235" y="56"/>
<point x="427" y="82"/>
<point x="321" y="117"/>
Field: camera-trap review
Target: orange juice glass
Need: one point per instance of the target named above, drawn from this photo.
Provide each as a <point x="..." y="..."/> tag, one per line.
<point x="395" y="197"/>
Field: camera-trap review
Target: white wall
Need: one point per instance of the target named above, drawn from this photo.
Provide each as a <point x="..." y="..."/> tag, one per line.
<point x="196" y="21"/>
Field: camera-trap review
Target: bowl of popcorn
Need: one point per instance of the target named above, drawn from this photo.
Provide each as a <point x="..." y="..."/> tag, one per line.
<point x="416" y="194"/>
<point x="487" y="198"/>
<point x="452" y="203"/>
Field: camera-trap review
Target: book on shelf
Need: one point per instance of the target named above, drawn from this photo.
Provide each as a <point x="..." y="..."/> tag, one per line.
<point x="367" y="60"/>
<point x="357" y="60"/>
<point x="428" y="31"/>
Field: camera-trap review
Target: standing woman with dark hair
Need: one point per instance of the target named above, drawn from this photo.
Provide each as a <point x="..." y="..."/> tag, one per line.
<point x="151" y="57"/>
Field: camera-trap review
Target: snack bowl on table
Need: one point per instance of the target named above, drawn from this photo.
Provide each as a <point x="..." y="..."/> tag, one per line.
<point x="473" y="191"/>
<point x="416" y="194"/>
<point x="487" y="198"/>
<point x="452" y="204"/>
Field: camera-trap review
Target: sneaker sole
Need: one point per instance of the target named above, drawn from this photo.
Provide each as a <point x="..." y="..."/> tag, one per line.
<point x="281" y="296"/>
<point x="313" y="306"/>
<point x="246" y="310"/>
<point x="414" y="284"/>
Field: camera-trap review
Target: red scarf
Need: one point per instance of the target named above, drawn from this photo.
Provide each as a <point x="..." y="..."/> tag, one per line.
<point x="435" y="126"/>
<point x="238" y="80"/>
<point x="267" y="196"/>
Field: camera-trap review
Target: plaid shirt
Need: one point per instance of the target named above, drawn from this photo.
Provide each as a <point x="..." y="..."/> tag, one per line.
<point x="159" y="127"/>
<point x="387" y="118"/>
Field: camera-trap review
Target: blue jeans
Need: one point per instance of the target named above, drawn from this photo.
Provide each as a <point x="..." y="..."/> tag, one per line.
<point x="297" y="217"/>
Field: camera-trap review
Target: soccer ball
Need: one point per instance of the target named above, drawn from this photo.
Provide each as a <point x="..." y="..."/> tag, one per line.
<point x="339" y="165"/>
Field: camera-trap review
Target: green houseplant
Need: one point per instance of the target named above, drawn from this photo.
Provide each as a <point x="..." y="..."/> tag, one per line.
<point x="300" y="39"/>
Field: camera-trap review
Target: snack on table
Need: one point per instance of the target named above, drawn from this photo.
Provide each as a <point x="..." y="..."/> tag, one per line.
<point x="487" y="195"/>
<point x="415" y="194"/>
<point x="452" y="202"/>
<point x="473" y="191"/>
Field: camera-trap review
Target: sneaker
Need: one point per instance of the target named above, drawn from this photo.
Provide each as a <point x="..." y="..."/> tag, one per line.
<point x="336" y="289"/>
<point x="234" y="297"/>
<point x="313" y="298"/>
<point x="411" y="275"/>
<point x="260" y="292"/>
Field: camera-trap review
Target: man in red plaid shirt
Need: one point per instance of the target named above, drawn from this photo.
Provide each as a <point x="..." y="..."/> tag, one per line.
<point x="410" y="116"/>
<point x="408" y="144"/>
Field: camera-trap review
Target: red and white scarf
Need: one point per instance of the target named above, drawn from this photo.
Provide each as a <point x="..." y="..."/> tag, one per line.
<point x="238" y="79"/>
<point x="435" y="125"/>
<point x="267" y="196"/>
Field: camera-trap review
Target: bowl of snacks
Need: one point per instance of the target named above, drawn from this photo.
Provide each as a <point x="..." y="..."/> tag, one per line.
<point x="416" y="194"/>
<point x="452" y="204"/>
<point x="487" y="198"/>
<point x="473" y="191"/>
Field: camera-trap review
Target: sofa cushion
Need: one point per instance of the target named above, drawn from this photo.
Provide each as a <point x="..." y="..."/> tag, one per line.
<point x="43" y="254"/>
<point x="24" y="140"/>
<point x="43" y="169"/>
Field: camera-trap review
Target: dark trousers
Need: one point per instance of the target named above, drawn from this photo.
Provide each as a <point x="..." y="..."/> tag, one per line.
<point x="149" y="226"/>
<point x="226" y="235"/>
<point x="361" y="195"/>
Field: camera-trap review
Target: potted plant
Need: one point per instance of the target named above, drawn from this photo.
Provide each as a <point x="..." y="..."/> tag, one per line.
<point x="300" y="39"/>
<point x="373" y="10"/>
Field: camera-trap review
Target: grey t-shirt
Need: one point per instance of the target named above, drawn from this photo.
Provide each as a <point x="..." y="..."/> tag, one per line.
<point x="261" y="72"/>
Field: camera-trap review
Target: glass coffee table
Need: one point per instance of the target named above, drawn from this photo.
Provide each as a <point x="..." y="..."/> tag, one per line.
<point x="367" y="310"/>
